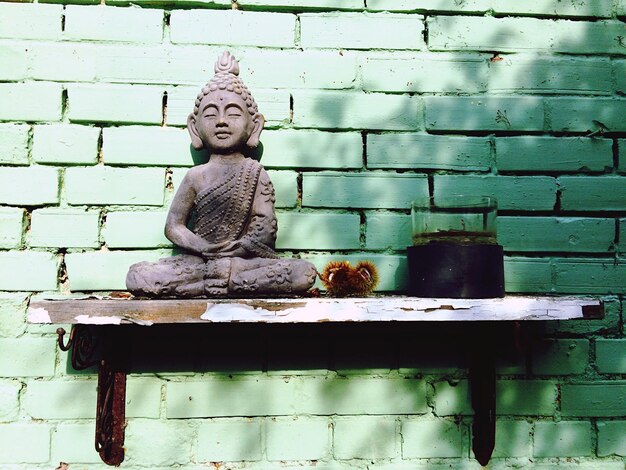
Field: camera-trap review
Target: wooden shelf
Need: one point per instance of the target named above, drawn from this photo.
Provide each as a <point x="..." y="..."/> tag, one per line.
<point x="113" y="361"/>
<point x="108" y="311"/>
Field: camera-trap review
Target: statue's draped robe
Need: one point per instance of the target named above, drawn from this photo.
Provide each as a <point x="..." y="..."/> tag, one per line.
<point x="236" y="207"/>
<point x="229" y="209"/>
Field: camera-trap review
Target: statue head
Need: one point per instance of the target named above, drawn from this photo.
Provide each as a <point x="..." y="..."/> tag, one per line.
<point x="225" y="117"/>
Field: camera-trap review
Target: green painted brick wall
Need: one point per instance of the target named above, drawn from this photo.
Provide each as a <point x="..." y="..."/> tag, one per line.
<point x="65" y="144"/>
<point x="368" y="105"/>
<point x="13" y="144"/>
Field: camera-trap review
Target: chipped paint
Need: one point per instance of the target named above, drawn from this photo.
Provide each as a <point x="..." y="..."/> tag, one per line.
<point x="98" y="320"/>
<point x="38" y="315"/>
<point x="313" y="310"/>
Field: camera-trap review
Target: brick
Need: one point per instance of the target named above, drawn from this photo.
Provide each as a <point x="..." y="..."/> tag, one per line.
<point x="611" y="356"/>
<point x="28" y="271"/>
<point x="143" y="397"/>
<point x="9" y="399"/>
<point x="73" y="442"/>
<point x="343" y="110"/>
<point x="365" y="437"/>
<point x="64" y="228"/>
<point x="143" y="229"/>
<point x="29" y="186"/>
<point x="562" y="439"/>
<point x="328" y="189"/>
<point x="11" y="221"/>
<point x="416" y="151"/>
<point x="598" y="399"/>
<point x="115" y="103"/>
<point x="312" y="149"/>
<point x="387" y="231"/>
<point x="32" y="101"/>
<point x="491" y="113"/>
<point x="299" y="69"/>
<point x="611" y="438"/>
<point x="526" y="193"/>
<point x="619" y="70"/>
<point x="66" y="144"/>
<point x="15" y="63"/>
<point x="334" y="4"/>
<point x="600" y="37"/>
<point x="570" y="234"/>
<point x="104" y="270"/>
<point x="488" y="34"/>
<point x="153" y="442"/>
<point x="72" y="61"/>
<point x="530" y="74"/>
<point x="26" y="357"/>
<point x="525" y="397"/>
<point x="346" y="30"/>
<point x="540" y="154"/>
<point x="431" y="439"/>
<point x="392" y="269"/>
<point x="107" y="185"/>
<point x="473" y="6"/>
<point x="452" y="399"/>
<point x="527" y="275"/>
<point x="166" y="64"/>
<point x="13" y="144"/>
<point x="12" y="314"/>
<point x="24" y="443"/>
<point x="49" y="400"/>
<point x="425" y="73"/>
<point x="30" y="21"/>
<point x="104" y="23"/>
<point x="586" y="114"/>
<point x="297" y="438"/>
<point x="318" y="231"/>
<point x="601" y="8"/>
<point x="140" y="145"/>
<point x="593" y="193"/>
<point x="233" y="28"/>
<point x="221" y="441"/>
<point x="621" y="7"/>
<point x="560" y="356"/>
<point x="273" y="104"/>
<point x="590" y="276"/>
<point x="273" y="396"/>
<point x="512" y="439"/>
<point x="589" y="465"/>
<point x="286" y="186"/>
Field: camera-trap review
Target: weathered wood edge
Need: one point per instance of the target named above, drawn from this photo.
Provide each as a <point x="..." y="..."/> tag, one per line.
<point x="105" y="311"/>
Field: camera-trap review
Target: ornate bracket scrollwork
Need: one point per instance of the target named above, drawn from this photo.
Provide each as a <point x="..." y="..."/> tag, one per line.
<point x="110" y="414"/>
<point x="84" y="345"/>
<point x="88" y="349"/>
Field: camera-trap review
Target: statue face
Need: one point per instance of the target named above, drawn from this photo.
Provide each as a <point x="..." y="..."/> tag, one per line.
<point x="223" y="123"/>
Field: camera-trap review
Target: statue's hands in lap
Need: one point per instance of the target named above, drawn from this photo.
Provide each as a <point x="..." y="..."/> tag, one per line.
<point x="225" y="249"/>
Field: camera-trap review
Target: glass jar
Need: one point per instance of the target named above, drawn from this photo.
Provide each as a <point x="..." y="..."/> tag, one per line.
<point x="461" y="220"/>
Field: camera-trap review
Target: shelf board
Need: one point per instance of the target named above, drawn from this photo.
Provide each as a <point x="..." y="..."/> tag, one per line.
<point x="113" y="311"/>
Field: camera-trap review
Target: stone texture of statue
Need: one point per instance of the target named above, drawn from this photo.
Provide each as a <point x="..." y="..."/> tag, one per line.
<point x="230" y="203"/>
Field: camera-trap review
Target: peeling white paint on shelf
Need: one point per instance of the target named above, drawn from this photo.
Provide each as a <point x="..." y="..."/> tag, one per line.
<point x="38" y="315"/>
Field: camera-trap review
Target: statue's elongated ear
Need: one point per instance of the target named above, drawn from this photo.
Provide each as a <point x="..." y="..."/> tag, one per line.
<point x="259" y="122"/>
<point x="196" y="141"/>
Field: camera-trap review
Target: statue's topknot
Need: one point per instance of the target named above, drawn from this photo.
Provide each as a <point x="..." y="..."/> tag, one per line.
<point x="227" y="64"/>
<point x="226" y="78"/>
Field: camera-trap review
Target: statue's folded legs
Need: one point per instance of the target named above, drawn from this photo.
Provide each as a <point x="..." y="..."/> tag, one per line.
<point x="191" y="276"/>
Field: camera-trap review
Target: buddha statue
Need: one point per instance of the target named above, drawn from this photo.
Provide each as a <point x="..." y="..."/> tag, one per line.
<point x="229" y="204"/>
